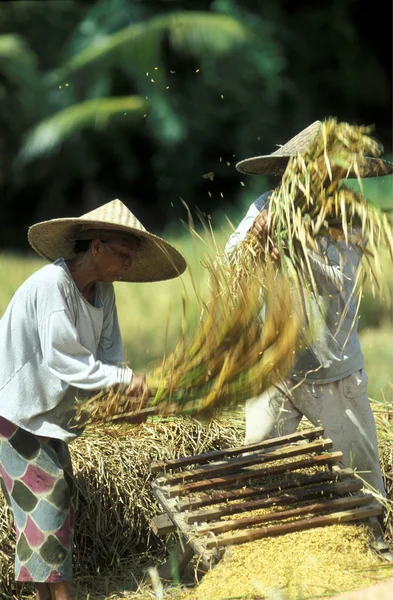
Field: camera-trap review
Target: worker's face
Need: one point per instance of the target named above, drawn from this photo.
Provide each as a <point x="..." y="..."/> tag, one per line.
<point x="112" y="259"/>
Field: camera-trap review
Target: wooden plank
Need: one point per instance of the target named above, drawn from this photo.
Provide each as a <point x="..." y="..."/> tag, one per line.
<point x="328" y="506"/>
<point x="235" y="464"/>
<point x="227" y="480"/>
<point x="207" y="557"/>
<point x="185" y="461"/>
<point x="244" y="492"/>
<point x="162" y="524"/>
<point x="355" y="514"/>
<point x="305" y="494"/>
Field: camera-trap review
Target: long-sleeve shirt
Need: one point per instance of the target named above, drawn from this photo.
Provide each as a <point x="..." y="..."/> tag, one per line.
<point x="334" y="350"/>
<point x="53" y="345"/>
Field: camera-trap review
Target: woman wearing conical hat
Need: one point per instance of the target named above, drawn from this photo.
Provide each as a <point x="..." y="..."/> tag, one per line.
<point x="60" y="336"/>
<point x="328" y="384"/>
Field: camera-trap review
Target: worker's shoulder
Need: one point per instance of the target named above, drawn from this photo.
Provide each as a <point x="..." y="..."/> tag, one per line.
<point x="53" y="273"/>
<point x="48" y="281"/>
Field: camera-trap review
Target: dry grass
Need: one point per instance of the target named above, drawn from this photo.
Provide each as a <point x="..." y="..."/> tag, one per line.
<point x="113" y="540"/>
<point x="114" y="544"/>
<point x="384" y="419"/>
<point x="229" y="357"/>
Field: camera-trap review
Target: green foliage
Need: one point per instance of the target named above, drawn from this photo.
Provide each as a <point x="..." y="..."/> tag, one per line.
<point x="222" y="84"/>
<point x="96" y="113"/>
<point x="137" y="47"/>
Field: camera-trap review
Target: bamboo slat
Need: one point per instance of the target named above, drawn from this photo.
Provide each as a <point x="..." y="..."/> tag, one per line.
<point x="185" y="461"/>
<point x="233" y="464"/>
<point x="330" y="505"/>
<point x="299" y="525"/>
<point x="227" y="480"/>
<point x="244" y="492"/>
<point x="336" y="489"/>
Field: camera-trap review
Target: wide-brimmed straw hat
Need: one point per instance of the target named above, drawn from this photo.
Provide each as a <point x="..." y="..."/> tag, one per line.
<point x="154" y="258"/>
<point x="276" y="162"/>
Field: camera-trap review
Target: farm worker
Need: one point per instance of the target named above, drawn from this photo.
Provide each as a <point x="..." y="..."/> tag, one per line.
<point x="328" y="383"/>
<point x="59" y="336"/>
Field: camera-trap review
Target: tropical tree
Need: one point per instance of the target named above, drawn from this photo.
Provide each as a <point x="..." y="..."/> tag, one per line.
<point x="152" y="101"/>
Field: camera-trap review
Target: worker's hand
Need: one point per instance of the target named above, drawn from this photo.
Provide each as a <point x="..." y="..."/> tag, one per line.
<point x="260" y="228"/>
<point x="138" y="389"/>
<point x="136" y="419"/>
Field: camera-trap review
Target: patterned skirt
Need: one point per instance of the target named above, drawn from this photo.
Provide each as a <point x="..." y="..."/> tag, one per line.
<point x="37" y="481"/>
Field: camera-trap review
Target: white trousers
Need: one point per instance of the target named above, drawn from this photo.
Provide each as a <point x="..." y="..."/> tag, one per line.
<point x="342" y="408"/>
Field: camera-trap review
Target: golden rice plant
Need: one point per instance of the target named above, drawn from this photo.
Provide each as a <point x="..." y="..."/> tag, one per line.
<point x="312" y="208"/>
<point x="230" y="357"/>
<point x="312" y="203"/>
<point x="233" y="355"/>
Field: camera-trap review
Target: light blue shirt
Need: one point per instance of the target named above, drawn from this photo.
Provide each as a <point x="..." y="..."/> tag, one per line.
<point x="335" y="350"/>
<point x="53" y="344"/>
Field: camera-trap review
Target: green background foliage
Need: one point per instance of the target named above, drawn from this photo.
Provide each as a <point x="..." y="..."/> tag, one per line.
<point x="156" y="101"/>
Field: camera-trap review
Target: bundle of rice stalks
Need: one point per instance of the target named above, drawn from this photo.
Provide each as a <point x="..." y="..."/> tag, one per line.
<point x="113" y="538"/>
<point x="230" y="357"/>
<point x="383" y="412"/>
<point x="312" y="204"/>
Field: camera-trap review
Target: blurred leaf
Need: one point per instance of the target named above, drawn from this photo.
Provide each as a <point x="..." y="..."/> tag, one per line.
<point x="17" y="61"/>
<point x="137" y="46"/>
<point x="101" y="19"/>
<point x="96" y="113"/>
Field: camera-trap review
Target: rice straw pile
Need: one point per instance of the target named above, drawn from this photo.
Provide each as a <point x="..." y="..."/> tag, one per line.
<point x="383" y="413"/>
<point x="113" y="539"/>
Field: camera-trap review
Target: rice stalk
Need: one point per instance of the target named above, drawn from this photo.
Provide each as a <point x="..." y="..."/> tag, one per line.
<point x="230" y="356"/>
<point x="233" y="355"/>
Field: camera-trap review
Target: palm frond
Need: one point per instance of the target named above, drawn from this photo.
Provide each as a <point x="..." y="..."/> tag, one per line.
<point x="17" y="62"/>
<point x="96" y="113"/>
<point x="137" y="47"/>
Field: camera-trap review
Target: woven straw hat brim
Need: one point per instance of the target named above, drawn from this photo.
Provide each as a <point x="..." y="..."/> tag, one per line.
<point x="154" y="260"/>
<point x="273" y="164"/>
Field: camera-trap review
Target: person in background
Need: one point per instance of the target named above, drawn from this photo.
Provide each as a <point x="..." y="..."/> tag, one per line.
<point x="328" y="383"/>
<point x="59" y="337"/>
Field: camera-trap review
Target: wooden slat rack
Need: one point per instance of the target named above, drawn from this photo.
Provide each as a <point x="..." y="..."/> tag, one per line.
<point x="296" y="479"/>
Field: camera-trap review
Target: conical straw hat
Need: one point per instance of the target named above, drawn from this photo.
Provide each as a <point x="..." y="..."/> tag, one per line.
<point x="276" y="162"/>
<point x="154" y="258"/>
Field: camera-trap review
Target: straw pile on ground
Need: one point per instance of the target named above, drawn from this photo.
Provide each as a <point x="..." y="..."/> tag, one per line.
<point x="112" y="468"/>
<point x="114" y="543"/>
<point x="383" y="413"/>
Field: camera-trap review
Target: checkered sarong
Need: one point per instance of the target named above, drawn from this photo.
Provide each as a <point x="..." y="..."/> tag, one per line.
<point x="37" y="481"/>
